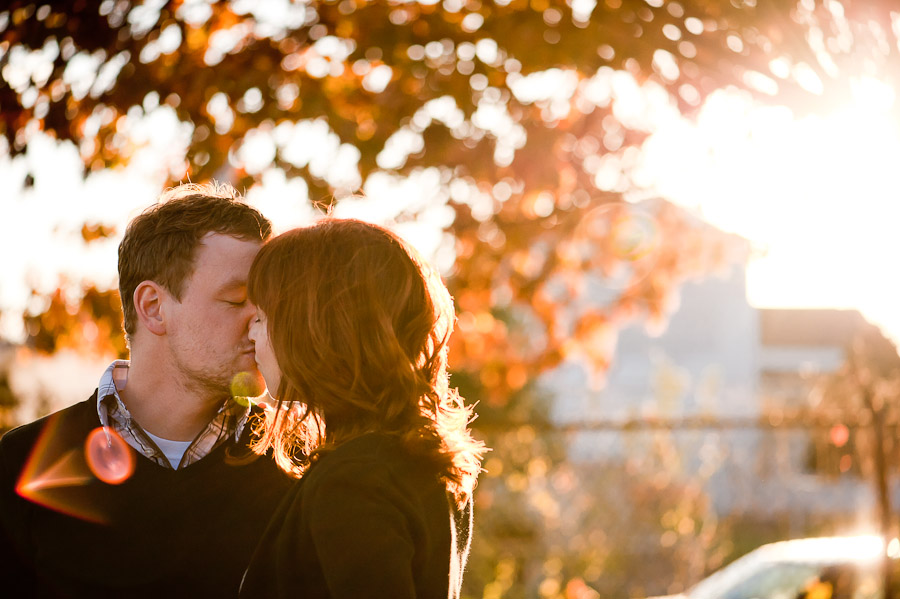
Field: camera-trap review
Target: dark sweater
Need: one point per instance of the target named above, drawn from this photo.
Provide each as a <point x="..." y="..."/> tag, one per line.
<point x="367" y="520"/>
<point x="161" y="533"/>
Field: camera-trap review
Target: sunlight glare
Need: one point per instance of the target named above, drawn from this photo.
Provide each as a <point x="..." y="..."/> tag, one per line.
<point x="816" y="196"/>
<point x="870" y="94"/>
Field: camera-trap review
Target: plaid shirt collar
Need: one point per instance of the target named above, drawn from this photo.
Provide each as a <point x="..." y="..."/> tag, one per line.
<point x="228" y="422"/>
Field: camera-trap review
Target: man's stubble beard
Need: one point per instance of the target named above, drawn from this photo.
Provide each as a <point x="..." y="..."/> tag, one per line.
<point x="214" y="385"/>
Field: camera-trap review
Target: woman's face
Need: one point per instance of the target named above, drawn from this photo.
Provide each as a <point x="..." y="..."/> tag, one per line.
<point x="265" y="357"/>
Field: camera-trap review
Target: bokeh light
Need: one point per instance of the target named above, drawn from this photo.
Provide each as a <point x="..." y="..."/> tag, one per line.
<point x="246" y="388"/>
<point x="620" y="240"/>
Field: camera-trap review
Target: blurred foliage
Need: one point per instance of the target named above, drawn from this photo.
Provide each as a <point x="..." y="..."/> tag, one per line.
<point x="8" y="399"/>
<point x="860" y="397"/>
<point x="455" y="85"/>
<point x="89" y="321"/>
<point x="312" y="60"/>
<point x="548" y="526"/>
<point x="608" y="529"/>
<point x="96" y="231"/>
<point x="864" y="399"/>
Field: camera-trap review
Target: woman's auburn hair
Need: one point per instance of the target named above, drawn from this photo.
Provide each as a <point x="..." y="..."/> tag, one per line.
<point x="359" y="325"/>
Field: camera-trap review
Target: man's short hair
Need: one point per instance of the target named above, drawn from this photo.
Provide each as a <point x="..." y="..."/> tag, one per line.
<point x="159" y="244"/>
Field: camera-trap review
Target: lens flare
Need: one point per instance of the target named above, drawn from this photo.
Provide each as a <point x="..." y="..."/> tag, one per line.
<point x="619" y="240"/>
<point x="246" y="388"/>
<point x="64" y="472"/>
<point x="57" y="477"/>
<point x="633" y="236"/>
<point x="108" y="456"/>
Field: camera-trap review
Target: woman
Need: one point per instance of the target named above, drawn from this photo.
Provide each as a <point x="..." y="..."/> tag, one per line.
<point x="351" y="337"/>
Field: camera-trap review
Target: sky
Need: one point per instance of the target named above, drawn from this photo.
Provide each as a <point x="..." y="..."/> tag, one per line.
<point x="815" y="196"/>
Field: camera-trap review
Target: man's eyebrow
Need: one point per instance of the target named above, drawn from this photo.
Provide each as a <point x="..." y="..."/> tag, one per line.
<point x="234" y="285"/>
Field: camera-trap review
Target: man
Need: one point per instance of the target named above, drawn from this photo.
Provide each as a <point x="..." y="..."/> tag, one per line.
<point x="147" y="489"/>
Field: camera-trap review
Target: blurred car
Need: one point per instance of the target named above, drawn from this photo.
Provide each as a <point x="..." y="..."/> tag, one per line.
<point x="815" y="568"/>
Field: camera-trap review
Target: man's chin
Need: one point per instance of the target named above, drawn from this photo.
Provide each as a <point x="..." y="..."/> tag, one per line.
<point x="247" y="363"/>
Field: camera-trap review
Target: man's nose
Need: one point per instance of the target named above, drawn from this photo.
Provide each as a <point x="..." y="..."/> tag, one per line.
<point x="249" y="313"/>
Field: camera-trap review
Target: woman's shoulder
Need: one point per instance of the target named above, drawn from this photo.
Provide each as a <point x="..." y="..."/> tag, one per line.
<point x="367" y="457"/>
<point x="372" y="476"/>
<point x="371" y="450"/>
<point x="371" y="445"/>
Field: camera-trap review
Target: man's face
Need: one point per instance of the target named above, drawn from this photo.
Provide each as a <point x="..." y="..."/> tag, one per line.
<point x="208" y="328"/>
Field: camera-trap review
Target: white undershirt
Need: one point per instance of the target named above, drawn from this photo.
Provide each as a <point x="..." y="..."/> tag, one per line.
<point x="173" y="450"/>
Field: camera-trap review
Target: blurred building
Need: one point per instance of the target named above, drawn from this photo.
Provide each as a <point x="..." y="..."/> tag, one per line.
<point x="715" y="388"/>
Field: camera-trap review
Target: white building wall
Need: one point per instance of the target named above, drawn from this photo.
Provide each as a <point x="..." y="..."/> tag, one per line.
<point x="704" y="363"/>
<point x="707" y="362"/>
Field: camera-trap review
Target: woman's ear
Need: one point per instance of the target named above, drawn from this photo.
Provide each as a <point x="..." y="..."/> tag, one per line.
<point x="148" y="297"/>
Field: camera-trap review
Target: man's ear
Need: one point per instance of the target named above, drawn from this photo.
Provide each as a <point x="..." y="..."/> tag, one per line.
<point x="148" y="299"/>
